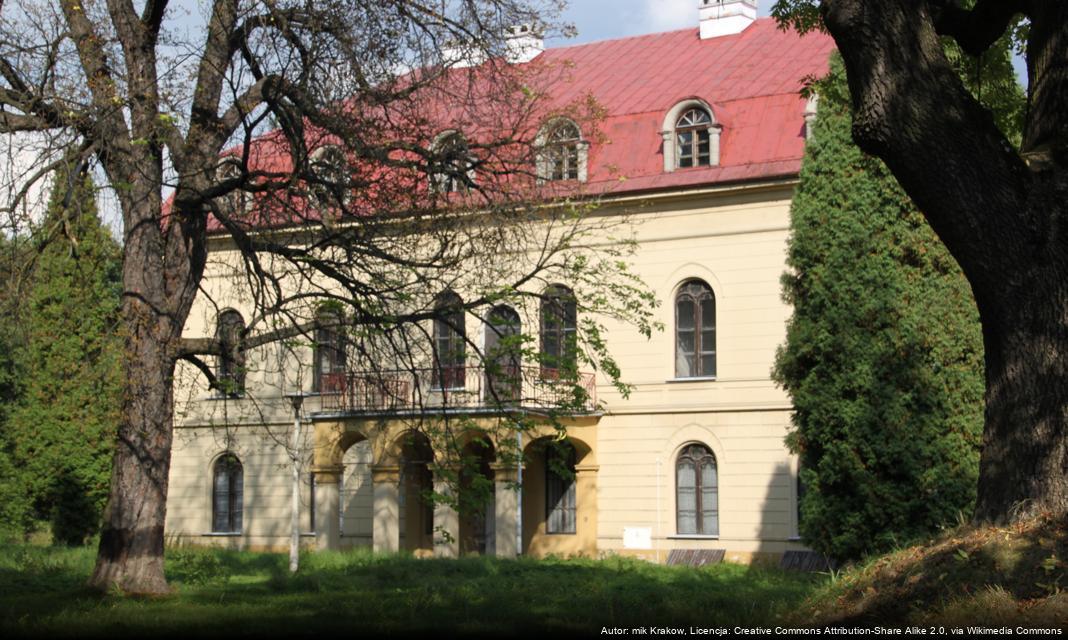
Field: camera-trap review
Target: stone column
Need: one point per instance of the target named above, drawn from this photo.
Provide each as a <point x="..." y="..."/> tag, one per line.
<point x="327" y="504"/>
<point x="506" y="505"/>
<point x="446" y="519"/>
<point x="385" y="480"/>
<point x="586" y="512"/>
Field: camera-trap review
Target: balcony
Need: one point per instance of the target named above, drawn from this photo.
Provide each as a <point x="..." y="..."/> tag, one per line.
<point x="461" y="388"/>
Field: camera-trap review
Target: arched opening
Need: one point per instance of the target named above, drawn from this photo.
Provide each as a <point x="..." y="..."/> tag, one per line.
<point x="416" y="488"/>
<point x="695" y="331"/>
<point x="502" y="356"/>
<point x="227" y="503"/>
<point x="559" y="497"/>
<point x="696" y="491"/>
<point x="330" y="352"/>
<point x="450" y="343"/>
<point x="356" y="494"/>
<point x="476" y="500"/>
<point x="559" y="320"/>
<point x="230" y="364"/>
<point x="451" y="165"/>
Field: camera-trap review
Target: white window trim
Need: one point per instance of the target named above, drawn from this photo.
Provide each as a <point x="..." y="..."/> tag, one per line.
<point x="667" y="132"/>
<point x="544" y="166"/>
<point x="438" y="181"/>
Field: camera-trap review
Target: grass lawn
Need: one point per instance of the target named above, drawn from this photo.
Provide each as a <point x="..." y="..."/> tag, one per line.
<point x="237" y="593"/>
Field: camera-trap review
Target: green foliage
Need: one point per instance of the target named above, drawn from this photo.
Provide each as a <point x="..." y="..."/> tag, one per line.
<point x="883" y="357"/>
<point x="42" y="594"/>
<point x="61" y="428"/>
<point x="15" y="516"/>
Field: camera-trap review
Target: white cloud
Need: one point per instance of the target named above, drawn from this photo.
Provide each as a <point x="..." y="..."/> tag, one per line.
<point x="664" y="15"/>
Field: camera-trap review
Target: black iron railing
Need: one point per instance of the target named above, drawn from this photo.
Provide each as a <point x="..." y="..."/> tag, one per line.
<point x="459" y="387"/>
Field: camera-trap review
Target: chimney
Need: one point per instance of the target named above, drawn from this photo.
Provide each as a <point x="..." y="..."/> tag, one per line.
<point x="725" y="17"/>
<point x="523" y="43"/>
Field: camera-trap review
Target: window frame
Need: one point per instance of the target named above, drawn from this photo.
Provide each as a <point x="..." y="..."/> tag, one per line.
<point x="562" y="158"/>
<point x="451" y="165"/>
<point x="559" y="326"/>
<point x="232" y="521"/>
<point x="561" y="494"/>
<point x="703" y="458"/>
<point x="697" y="368"/>
<point x="328" y="339"/>
<point x="698" y="128"/>
<point x="670" y="133"/>
<point x="328" y="189"/>
<point x="230" y="363"/>
<point x="450" y="343"/>
<point x="503" y="364"/>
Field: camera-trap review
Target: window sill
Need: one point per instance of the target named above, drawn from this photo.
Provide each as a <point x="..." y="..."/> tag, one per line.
<point x="691" y="536"/>
<point x="561" y="533"/>
<point x="692" y="379"/>
<point x="219" y="397"/>
<point x="794" y="539"/>
<point x="222" y="534"/>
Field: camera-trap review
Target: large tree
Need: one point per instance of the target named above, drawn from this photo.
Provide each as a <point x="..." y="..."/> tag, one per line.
<point x="62" y="427"/>
<point x="998" y="208"/>
<point x="883" y="353"/>
<point x="355" y="95"/>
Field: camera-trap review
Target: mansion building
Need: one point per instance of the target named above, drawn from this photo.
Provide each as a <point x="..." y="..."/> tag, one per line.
<point x="700" y="145"/>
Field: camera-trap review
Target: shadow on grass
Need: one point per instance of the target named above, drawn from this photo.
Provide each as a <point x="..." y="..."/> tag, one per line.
<point x="245" y="593"/>
<point x="970" y="575"/>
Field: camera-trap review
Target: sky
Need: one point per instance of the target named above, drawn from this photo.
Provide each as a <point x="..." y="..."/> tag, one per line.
<point x="605" y="19"/>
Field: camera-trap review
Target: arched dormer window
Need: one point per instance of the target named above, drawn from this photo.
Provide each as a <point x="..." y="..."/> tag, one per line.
<point x="329" y="182"/>
<point x="562" y="152"/>
<point x="811" y="106"/>
<point x="235" y="200"/>
<point x="696" y="492"/>
<point x="691" y="136"/>
<point x="227" y="494"/>
<point x="329" y="352"/>
<point x="230" y="364"/>
<point x="558" y="323"/>
<point x="695" y="331"/>
<point x="451" y="165"/>
<point x="450" y="348"/>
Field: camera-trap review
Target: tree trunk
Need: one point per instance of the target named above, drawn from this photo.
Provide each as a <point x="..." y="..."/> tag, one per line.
<point x="130" y="557"/>
<point x="1023" y="469"/>
<point x="162" y="266"/>
<point x="1002" y="218"/>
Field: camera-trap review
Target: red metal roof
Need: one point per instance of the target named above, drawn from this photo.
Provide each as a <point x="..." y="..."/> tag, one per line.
<point x="751" y="80"/>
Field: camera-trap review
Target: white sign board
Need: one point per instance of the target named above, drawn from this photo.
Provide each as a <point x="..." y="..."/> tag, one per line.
<point x="637" y="538"/>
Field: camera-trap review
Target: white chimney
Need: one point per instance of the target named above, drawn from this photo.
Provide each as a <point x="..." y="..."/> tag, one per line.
<point x="725" y="17"/>
<point x="523" y="42"/>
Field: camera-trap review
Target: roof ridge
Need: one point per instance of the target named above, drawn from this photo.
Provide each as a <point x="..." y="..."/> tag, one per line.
<point x="694" y="28"/>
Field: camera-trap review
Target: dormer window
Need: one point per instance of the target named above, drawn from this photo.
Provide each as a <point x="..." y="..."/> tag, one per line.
<point x="692" y="139"/>
<point x="229" y="171"/>
<point x="691" y="136"/>
<point x="452" y="167"/>
<point x="563" y="152"/>
<point x="329" y="181"/>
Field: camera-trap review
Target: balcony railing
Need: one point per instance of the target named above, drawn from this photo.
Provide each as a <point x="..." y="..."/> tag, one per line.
<point x="459" y="387"/>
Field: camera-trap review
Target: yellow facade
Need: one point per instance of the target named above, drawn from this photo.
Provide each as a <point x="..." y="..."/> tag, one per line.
<point x="369" y="476"/>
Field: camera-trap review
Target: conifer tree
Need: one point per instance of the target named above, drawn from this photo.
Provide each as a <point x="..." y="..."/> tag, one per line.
<point x="14" y="510"/>
<point x="64" y="422"/>
<point x="884" y="353"/>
